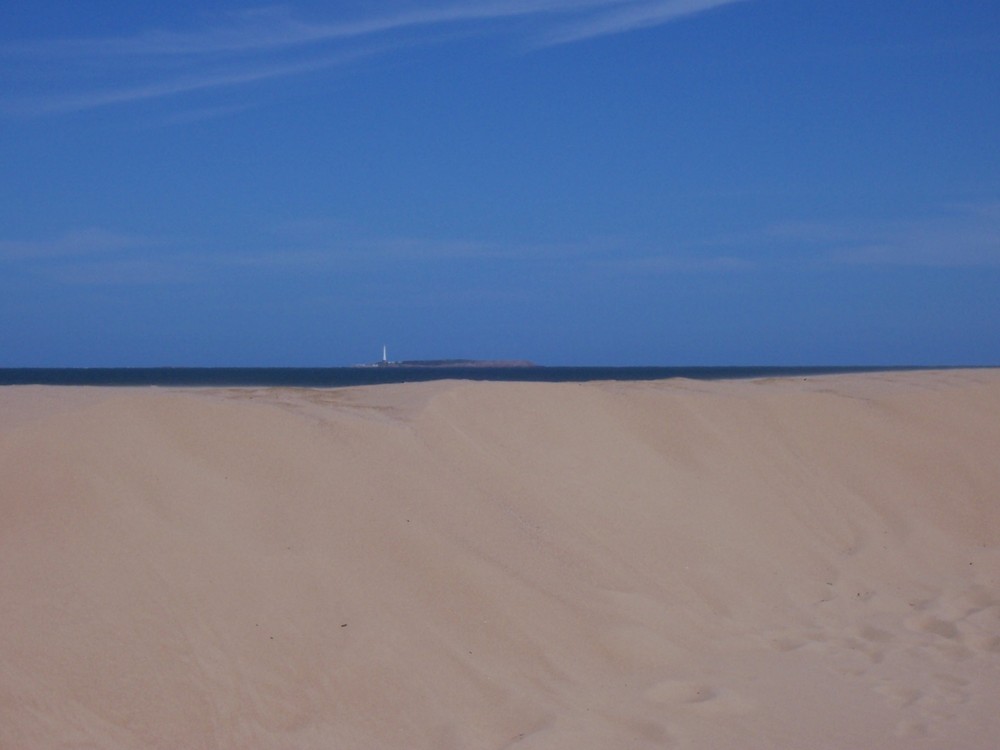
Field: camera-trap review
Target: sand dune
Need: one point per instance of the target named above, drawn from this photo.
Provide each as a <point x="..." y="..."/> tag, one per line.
<point x="794" y="563"/>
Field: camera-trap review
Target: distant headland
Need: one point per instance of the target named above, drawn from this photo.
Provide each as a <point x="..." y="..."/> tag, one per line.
<point x="446" y="363"/>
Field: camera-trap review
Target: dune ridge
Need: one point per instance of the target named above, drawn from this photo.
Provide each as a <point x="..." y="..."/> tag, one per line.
<point x="774" y="563"/>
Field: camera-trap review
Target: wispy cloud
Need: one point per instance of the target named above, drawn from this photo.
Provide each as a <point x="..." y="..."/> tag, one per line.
<point x="277" y="27"/>
<point x="630" y="17"/>
<point x="957" y="236"/>
<point x="201" y="114"/>
<point x="124" y="272"/>
<point x="679" y="263"/>
<point x="354" y="253"/>
<point x="96" y="256"/>
<point x="99" y="256"/>
<point x="61" y="103"/>
<point x="966" y="237"/>
<point x="954" y="236"/>
<point x="78" y="243"/>
<point x="251" y="46"/>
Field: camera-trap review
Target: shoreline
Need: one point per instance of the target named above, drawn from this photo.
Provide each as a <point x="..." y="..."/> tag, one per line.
<point x="372" y="375"/>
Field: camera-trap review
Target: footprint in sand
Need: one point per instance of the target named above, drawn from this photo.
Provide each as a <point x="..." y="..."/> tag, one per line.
<point x="960" y="624"/>
<point x="699" y="696"/>
<point x="785" y="641"/>
<point x="928" y="708"/>
<point x="898" y="696"/>
<point x="933" y="626"/>
<point x="875" y="635"/>
<point x="951" y="688"/>
<point x="912" y="728"/>
<point x="670" y="691"/>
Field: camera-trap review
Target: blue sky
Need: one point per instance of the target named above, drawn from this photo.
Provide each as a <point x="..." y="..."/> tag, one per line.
<point x="620" y="182"/>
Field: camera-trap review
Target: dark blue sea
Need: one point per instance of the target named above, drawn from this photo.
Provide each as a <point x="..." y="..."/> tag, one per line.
<point x="332" y="377"/>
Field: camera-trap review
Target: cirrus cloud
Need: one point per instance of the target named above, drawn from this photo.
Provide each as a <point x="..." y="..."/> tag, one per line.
<point x="250" y="46"/>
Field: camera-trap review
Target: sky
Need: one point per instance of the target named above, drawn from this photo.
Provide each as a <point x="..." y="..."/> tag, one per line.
<point x="574" y="182"/>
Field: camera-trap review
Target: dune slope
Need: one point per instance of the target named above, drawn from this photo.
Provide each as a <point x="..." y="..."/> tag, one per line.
<point x="757" y="564"/>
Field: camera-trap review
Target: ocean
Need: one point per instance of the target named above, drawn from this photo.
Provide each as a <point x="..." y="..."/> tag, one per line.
<point x="333" y="377"/>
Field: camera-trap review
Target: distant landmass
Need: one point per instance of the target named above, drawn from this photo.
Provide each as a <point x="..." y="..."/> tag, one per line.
<point x="445" y="363"/>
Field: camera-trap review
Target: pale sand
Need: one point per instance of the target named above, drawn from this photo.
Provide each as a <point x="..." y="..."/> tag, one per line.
<point x="755" y="564"/>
